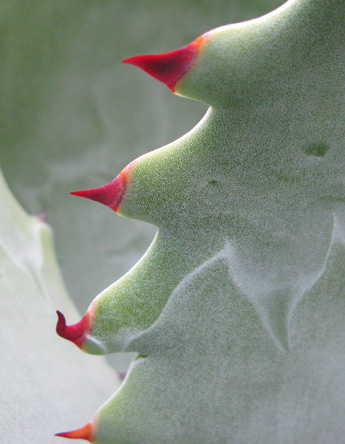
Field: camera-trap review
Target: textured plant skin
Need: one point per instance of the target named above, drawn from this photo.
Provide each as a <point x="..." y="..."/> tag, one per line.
<point x="237" y="308"/>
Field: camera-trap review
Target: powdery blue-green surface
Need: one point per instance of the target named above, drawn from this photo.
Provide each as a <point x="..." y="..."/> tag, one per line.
<point x="41" y="378"/>
<point x="237" y="310"/>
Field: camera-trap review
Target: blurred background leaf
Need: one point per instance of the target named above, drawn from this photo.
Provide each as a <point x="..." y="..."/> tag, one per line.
<point x="73" y="116"/>
<point x="45" y="384"/>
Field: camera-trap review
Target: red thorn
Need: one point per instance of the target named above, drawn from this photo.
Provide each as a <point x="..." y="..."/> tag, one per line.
<point x="85" y="432"/>
<point x="169" y="67"/>
<point x="75" y="333"/>
<point x="110" y="194"/>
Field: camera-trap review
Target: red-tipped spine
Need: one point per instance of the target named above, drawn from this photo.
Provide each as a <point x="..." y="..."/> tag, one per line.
<point x="75" y="333"/>
<point x="87" y="432"/>
<point x="111" y="194"/>
<point x="169" y="67"/>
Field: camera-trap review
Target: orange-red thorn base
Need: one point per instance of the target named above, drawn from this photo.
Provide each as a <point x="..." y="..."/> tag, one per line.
<point x="85" y="432"/>
<point x="75" y="333"/>
<point x="169" y="67"/>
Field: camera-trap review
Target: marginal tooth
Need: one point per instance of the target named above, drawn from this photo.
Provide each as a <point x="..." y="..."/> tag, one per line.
<point x="110" y="194"/>
<point x="87" y="432"/>
<point x="168" y="67"/>
<point x="75" y="333"/>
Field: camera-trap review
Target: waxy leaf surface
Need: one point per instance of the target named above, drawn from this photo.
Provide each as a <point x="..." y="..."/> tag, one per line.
<point x="237" y="309"/>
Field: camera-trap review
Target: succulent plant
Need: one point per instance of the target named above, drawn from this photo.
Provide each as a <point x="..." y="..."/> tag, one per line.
<point x="237" y="309"/>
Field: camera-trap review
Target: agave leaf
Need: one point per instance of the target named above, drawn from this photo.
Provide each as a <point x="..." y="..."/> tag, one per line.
<point x="40" y="378"/>
<point x="237" y="309"/>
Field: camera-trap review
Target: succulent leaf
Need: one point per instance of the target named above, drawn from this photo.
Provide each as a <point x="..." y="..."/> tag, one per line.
<point x="237" y="310"/>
